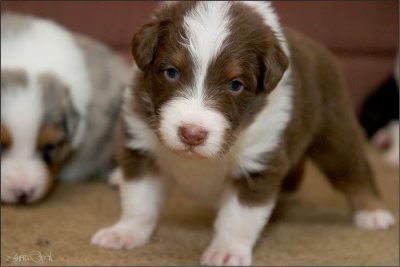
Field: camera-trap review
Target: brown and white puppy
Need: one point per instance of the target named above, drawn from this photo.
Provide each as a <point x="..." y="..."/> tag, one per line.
<point x="60" y="96"/>
<point x="227" y="104"/>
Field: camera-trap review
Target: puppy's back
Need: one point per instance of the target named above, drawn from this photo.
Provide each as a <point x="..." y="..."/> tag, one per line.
<point x="109" y="75"/>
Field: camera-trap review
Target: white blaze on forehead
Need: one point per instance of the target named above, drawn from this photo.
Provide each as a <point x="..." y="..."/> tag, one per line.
<point x="21" y="112"/>
<point x="21" y="168"/>
<point x="206" y="27"/>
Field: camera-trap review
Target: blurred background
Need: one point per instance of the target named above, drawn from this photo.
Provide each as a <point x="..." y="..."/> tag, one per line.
<point x="363" y="34"/>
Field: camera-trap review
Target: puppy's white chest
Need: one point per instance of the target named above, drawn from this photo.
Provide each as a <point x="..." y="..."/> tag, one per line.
<point x="201" y="178"/>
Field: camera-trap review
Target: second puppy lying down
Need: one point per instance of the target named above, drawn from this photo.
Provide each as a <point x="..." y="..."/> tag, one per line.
<point x="60" y="97"/>
<point x="226" y="104"/>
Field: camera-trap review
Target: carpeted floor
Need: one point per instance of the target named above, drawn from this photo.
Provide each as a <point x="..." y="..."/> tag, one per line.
<point x="312" y="228"/>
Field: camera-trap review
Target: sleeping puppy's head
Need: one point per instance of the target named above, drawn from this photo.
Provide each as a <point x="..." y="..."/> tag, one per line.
<point x="38" y="122"/>
<point x="207" y="68"/>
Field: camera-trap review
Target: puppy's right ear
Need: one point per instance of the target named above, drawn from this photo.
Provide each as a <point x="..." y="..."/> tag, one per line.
<point x="144" y="44"/>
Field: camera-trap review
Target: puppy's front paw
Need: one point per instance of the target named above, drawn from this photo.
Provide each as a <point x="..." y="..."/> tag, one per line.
<point x="226" y="256"/>
<point x="374" y="220"/>
<point x="120" y="235"/>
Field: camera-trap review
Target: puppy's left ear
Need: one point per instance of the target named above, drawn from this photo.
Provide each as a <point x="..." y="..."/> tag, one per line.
<point x="144" y="44"/>
<point x="276" y="62"/>
<point x="59" y="108"/>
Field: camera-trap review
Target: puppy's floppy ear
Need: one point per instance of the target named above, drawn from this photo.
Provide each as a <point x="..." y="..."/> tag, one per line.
<point x="275" y="63"/>
<point x="58" y="106"/>
<point x="144" y="44"/>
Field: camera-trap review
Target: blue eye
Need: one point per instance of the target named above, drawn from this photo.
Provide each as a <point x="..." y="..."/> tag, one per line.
<point x="171" y="73"/>
<point x="235" y="86"/>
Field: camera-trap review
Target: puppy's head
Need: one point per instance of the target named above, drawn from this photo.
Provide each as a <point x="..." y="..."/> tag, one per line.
<point x="37" y="124"/>
<point x="207" y="68"/>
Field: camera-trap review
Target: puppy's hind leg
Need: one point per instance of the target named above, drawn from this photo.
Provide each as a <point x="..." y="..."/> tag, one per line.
<point x="338" y="152"/>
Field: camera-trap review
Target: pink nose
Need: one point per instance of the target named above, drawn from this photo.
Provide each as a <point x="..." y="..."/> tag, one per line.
<point x="192" y="135"/>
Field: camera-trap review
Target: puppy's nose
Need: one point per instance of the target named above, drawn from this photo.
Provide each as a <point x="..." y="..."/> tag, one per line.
<point x="192" y="135"/>
<point x="23" y="195"/>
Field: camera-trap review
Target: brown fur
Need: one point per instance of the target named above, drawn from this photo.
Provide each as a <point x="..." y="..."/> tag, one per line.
<point x="294" y="178"/>
<point x="323" y="127"/>
<point x="54" y="136"/>
<point x="256" y="60"/>
<point x="322" y="124"/>
<point x="133" y="163"/>
<point x="49" y="134"/>
<point x="6" y="139"/>
<point x="58" y="107"/>
<point x="58" y="122"/>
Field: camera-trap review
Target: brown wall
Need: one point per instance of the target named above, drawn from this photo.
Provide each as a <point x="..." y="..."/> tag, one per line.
<point x="363" y="34"/>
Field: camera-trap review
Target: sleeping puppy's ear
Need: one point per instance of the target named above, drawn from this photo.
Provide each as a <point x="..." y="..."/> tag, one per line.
<point x="144" y="44"/>
<point x="58" y="107"/>
<point x="275" y="64"/>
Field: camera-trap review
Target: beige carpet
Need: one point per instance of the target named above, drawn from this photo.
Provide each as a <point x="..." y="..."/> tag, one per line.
<point x="312" y="228"/>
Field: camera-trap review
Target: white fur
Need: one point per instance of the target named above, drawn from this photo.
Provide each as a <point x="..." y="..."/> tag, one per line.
<point x="374" y="220"/>
<point x="206" y="176"/>
<point x="392" y="155"/>
<point x="41" y="47"/>
<point x="21" y="112"/>
<point x="245" y="156"/>
<point x="48" y="47"/>
<point x="206" y="27"/>
<point x="204" y="43"/>
<point x="143" y="137"/>
<point x="116" y="178"/>
<point x="23" y="175"/>
<point x="264" y="134"/>
<point x="266" y="10"/>
<point x="261" y="137"/>
<point x="236" y="230"/>
<point x="141" y="201"/>
<point x="201" y="178"/>
<point x="387" y="140"/>
<point x="237" y="227"/>
<point x="21" y="169"/>
<point x="180" y="111"/>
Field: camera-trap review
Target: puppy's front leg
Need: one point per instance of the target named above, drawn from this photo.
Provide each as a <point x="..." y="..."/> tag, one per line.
<point x="236" y="230"/>
<point x="141" y="199"/>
